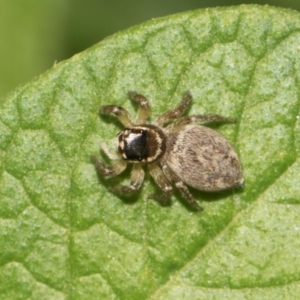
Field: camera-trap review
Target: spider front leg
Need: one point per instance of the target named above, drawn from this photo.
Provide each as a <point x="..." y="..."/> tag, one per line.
<point x="182" y="188"/>
<point x="117" y="167"/>
<point x="122" y="114"/>
<point x="176" y="112"/>
<point x="136" y="180"/>
<point x="144" y="107"/>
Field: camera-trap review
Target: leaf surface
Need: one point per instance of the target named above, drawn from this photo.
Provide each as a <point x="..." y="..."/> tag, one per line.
<point x="63" y="235"/>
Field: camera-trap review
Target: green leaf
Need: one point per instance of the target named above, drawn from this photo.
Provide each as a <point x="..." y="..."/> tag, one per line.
<point x="63" y="235"/>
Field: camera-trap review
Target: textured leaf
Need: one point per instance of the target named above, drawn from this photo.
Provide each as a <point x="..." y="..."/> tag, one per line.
<point x="63" y="235"/>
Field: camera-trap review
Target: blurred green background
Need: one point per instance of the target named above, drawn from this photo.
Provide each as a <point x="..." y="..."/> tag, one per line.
<point x="35" y="34"/>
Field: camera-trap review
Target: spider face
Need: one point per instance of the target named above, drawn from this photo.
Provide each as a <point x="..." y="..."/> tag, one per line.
<point x="142" y="144"/>
<point x="180" y="154"/>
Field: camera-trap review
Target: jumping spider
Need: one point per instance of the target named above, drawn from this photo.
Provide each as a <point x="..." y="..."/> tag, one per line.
<point x="176" y="151"/>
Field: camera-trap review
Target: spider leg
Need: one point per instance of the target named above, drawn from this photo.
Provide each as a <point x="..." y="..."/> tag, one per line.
<point x="200" y="119"/>
<point x="144" y="107"/>
<point x="117" y="167"/>
<point x="182" y="188"/>
<point x="176" y="112"/>
<point x="162" y="182"/>
<point x="136" y="180"/>
<point x="122" y="114"/>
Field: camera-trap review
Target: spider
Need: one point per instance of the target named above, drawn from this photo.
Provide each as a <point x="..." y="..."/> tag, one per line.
<point x="176" y="151"/>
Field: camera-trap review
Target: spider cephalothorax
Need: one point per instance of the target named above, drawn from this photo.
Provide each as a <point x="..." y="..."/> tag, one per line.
<point x="180" y="153"/>
<point x="142" y="143"/>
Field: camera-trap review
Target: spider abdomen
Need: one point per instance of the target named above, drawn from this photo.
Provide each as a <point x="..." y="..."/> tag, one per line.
<point x="203" y="159"/>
